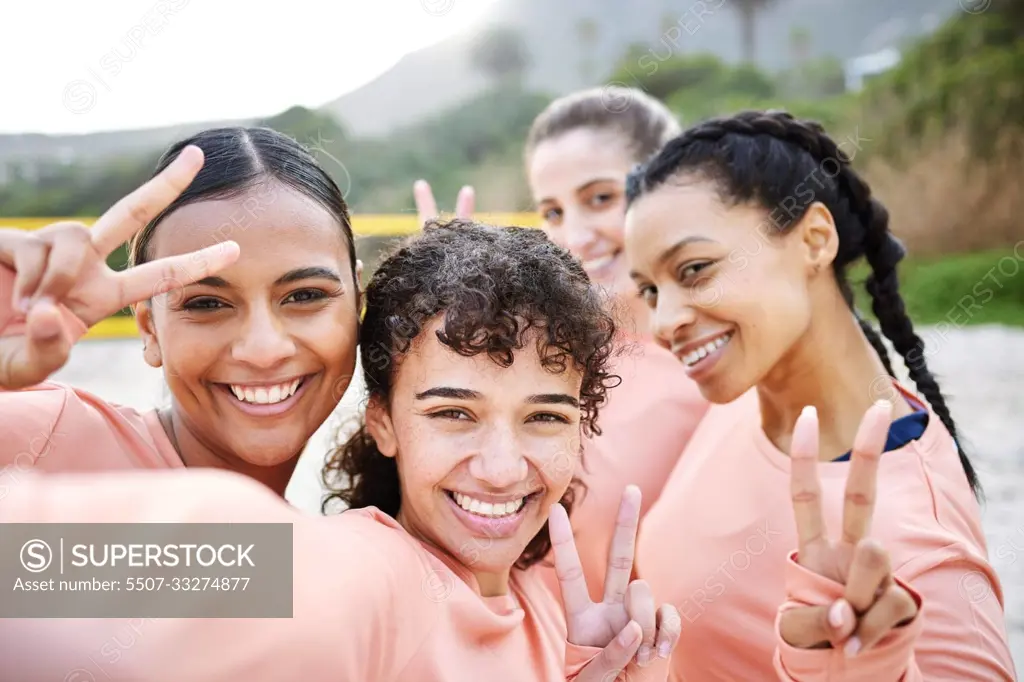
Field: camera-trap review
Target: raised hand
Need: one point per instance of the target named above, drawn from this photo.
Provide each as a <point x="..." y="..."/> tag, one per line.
<point x="426" y="206"/>
<point x="626" y="623"/>
<point x="873" y="604"/>
<point x="65" y="264"/>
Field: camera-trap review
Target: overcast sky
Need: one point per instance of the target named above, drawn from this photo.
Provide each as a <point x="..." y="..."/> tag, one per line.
<point x="74" y="66"/>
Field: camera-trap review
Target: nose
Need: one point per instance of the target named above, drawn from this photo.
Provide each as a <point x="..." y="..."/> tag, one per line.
<point x="579" y="231"/>
<point x="264" y="341"/>
<point x="672" y="314"/>
<point x="501" y="463"/>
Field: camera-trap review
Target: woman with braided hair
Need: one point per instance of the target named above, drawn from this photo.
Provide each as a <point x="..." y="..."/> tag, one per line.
<point x="739" y="235"/>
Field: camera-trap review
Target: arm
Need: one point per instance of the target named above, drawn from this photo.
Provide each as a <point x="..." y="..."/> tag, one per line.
<point x="958" y="634"/>
<point x="356" y="615"/>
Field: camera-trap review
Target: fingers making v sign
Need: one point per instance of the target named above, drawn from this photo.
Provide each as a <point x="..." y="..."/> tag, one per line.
<point x="873" y="603"/>
<point x="426" y="205"/>
<point x="64" y="264"/>
<point x="631" y="631"/>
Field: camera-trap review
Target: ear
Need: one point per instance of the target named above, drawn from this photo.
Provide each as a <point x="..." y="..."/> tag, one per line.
<point x="819" y="237"/>
<point x="150" y="343"/>
<point x="359" y="287"/>
<point x="381" y="428"/>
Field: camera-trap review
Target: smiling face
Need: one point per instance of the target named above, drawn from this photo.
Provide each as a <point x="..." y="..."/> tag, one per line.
<point x="257" y="357"/>
<point x="730" y="297"/>
<point x="482" y="451"/>
<point x="578" y="183"/>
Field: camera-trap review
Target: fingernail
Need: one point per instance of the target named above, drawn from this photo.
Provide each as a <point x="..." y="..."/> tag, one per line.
<point x="24" y="304"/>
<point x="664" y="650"/>
<point x="643" y="656"/>
<point x="852" y="646"/>
<point x="809" y="411"/>
<point x="884" y="404"/>
<point x="835" y="614"/>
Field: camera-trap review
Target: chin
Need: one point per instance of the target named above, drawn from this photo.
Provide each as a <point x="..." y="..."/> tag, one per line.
<point x="263" y="455"/>
<point x="723" y="391"/>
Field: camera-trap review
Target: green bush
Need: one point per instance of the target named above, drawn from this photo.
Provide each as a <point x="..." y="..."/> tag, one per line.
<point x="959" y="290"/>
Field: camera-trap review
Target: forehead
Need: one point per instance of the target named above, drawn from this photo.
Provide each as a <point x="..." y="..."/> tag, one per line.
<point x="562" y="164"/>
<point x="267" y="221"/>
<point x="431" y="363"/>
<point x="660" y="219"/>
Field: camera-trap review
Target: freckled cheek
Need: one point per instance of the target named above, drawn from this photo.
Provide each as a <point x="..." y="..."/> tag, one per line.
<point x="554" y="464"/>
<point x="428" y="457"/>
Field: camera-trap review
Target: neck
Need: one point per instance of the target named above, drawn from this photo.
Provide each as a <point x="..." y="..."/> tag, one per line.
<point x="834" y="368"/>
<point x="491" y="584"/>
<point x="194" y="452"/>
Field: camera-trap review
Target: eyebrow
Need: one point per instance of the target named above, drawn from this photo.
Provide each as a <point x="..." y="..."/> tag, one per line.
<point x="467" y="394"/>
<point x="671" y="251"/>
<point x="582" y="188"/>
<point x="313" y="272"/>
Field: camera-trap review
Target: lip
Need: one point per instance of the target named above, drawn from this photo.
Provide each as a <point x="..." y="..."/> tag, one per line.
<point x="493" y="529"/>
<point x="270" y="410"/>
<point x="705" y="365"/>
<point x="492" y="498"/>
<point x="606" y="269"/>
<point x="686" y="349"/>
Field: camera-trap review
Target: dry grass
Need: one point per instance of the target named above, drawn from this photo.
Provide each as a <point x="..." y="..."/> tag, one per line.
<point x="940" y="201"/>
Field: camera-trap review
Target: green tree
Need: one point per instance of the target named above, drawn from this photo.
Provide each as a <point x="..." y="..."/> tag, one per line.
<point x="501" y="55"/>
<point x="587" y="34"/>
<point x="748" y="11"/>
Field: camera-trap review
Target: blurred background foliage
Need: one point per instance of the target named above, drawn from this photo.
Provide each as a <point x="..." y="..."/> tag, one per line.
<point x="942" y="131"/>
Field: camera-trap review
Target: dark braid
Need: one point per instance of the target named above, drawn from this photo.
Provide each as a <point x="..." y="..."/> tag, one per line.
<point x="769" y="158"/>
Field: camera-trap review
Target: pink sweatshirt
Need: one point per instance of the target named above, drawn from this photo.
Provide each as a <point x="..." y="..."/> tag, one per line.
<point x="370" y="601"/>
<point x="645" y="426"/>
<point x="57" y="428"/>
<point x="721" y="540"/>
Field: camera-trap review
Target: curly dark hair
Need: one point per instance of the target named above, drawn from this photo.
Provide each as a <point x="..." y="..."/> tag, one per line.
<point x="785" y="165"/>
<point x="494" y="285"/>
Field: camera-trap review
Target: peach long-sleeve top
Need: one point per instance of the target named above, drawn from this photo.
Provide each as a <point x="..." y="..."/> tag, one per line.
<point x="645" y="425"/>
<point x="720" y="544"/>
<point x="57" y="428"/>
<point x="370" y="601"/>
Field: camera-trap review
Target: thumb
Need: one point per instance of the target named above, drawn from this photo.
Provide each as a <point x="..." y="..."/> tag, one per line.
<point x="808" y="627"/>
<point x="613" y="659"/>
<point x="47" y="345"/>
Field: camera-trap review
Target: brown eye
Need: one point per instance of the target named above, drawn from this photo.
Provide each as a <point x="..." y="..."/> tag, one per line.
<point x="649" y="294"/>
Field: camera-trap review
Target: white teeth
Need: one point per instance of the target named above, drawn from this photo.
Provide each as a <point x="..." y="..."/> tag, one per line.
<point x="488" y="509"/>
<point x="693" y="357"/>
<point x="266" y="395"/>
<point x="598" y="263"/>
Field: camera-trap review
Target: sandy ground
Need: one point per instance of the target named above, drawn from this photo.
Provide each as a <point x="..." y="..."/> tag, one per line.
<point x="980" y="369"/>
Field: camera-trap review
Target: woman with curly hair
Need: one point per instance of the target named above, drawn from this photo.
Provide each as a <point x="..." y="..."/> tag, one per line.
<point x="485" y="352"/>
<point x="577" y="154"/>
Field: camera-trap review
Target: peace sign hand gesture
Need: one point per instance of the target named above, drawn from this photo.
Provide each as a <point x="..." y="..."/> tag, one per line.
<point x="873" y="604"/>
<point x="625" y="624"/>
<point x="426" y="205"/>
<point x="65" y="264"/>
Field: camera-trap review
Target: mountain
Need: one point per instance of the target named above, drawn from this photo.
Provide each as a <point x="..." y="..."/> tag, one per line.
<point x="435" y="78"/>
